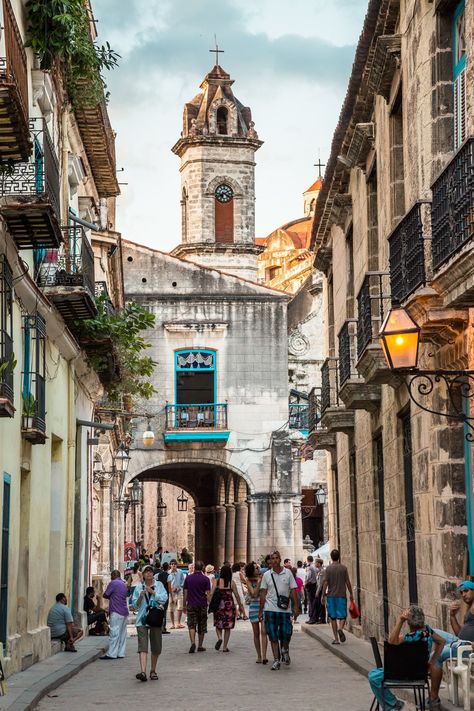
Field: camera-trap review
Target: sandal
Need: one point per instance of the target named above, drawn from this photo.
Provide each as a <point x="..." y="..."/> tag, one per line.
<point x="141" y="676"/>
<point x="153" y="675"/>
<point x="264" y="661"/>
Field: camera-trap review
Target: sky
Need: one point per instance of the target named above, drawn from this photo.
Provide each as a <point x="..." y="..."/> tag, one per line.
<point x="291" y="63"/>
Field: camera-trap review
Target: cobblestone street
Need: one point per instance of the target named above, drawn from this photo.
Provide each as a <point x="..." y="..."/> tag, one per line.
<point x="210" y="680"/>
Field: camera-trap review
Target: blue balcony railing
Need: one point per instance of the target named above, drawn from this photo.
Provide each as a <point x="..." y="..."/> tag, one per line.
<point x="211" y="416"/>
<point x="298" y="416"/>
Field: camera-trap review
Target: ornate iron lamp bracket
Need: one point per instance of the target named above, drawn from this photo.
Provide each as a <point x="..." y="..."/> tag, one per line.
<point x="459" y="387"/>
<point x="303" y="512"/>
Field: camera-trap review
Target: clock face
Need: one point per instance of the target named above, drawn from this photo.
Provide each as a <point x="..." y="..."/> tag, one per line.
<point x="224" y="193"/>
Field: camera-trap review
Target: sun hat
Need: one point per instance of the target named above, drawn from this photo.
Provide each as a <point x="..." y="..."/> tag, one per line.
<point x="209" y="569"/>
<point x="466" y="585"/>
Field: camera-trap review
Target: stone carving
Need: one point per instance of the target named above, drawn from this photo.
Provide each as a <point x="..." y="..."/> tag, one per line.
<point x="251" y="133"/>
<point x="298" y="344"/>
<point x="194" y="130"/>
<point x="196" y="360"/>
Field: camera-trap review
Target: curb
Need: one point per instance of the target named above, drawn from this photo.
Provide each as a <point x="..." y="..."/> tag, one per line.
<point x="341" y="652"/>
<point x="30" y="698"/>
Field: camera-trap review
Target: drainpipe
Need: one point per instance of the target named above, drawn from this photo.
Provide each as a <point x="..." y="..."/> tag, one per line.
<point x="65" y="174"/>
<point x="71" y="483"/>
<point x="469" y="485"/>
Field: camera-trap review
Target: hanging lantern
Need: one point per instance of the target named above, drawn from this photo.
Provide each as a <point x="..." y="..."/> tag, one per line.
<point x="161" y="509"/>
<point x="136" y="493"/>
<point x="122" y="459"/>
<point x="400" y="338"/>
<point x="320" y="496"/>
<point x="182" y="502"/>
<point x="148" y="436"/>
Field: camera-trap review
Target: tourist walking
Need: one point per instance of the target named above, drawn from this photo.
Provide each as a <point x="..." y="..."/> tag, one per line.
<point x="299" y="587"/>
<point x="209" y="572"/>
<point x="319" y="604"/>
<point x="238" y="578"/>
<point x="176" y="581"/>
<point x="197" y="591"/>
<point x="116" y="593"/>
<point x="148" y="597"/>
<point x="260" y="638"/>
<point x="224" y="617"/>
<point x="136" y="578"/>
<point x="162" y="575"/>
<point x="277" y="590"/>
<point x="310" y="587"/>
<point x="335" y="582"/>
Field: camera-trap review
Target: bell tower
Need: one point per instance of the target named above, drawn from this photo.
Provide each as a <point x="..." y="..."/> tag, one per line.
<point x="217" y="151"/>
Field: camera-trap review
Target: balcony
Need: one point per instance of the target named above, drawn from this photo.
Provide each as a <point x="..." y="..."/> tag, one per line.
<point x="30" y="205"/>
<point x="15" y="144"/>
<point x="298" y="418"/>
<point x="99" y="143"/>
<point x="373" y="303"/>
<point x="196" y="422"/>
<point x="452" y="220"/>
<point x="409" y="253"/>
<point x="67" y="276"/>
<point x="354" y="392"/>
<point x="335" y="417"/>
<point x="33" y="420"/>
<point x="319" y="438"/>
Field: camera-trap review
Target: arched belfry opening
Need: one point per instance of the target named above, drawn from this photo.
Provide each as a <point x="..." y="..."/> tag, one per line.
<point x="218" y="501"/>
<point x="221" y="120"/>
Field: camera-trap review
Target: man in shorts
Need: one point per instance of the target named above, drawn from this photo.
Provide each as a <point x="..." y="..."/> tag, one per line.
<point x="175" y="588"/>
<point x="197" y="589"/>
<point x="277" y="588"/>
<point x="335" y="582"/>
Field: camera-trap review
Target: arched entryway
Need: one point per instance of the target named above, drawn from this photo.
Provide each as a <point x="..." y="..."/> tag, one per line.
<point x="221" y="512"/>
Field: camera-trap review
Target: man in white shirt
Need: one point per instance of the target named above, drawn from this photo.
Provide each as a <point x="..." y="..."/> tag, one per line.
<point x="277" y="589"/>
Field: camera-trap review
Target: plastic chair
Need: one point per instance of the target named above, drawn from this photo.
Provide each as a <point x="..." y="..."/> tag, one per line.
<point x="461" y="668"/>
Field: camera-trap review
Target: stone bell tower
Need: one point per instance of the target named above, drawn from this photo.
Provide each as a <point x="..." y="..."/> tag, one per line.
<point x="217" y="151"/>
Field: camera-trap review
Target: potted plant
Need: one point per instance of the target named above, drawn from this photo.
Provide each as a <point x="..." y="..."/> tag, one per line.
<point x="6" y="390"/>
<point x="29" y="410"/>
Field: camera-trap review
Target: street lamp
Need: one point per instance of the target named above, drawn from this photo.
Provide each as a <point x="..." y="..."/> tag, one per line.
<point x="320" y="495"/>
<point x="136" y="493"/>
<point x="182" y="501"/>
<point x="400" y="338"/>
<point x="148" y="437"/>
<point x="161" y="509"/>
<point x="121" y="459"/>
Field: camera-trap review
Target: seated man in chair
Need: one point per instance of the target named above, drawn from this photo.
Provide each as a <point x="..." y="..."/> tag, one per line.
<point x="418" y="631"/>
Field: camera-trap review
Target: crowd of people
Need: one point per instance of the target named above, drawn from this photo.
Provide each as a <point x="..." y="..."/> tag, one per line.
<point x="270" y="595"/>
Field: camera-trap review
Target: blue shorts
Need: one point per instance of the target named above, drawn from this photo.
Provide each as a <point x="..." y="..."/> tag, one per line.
<point x="337" y="608"/>
<point x="278" y="626"/>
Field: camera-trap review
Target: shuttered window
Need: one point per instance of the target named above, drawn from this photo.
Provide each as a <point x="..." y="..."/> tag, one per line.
<point x="459" y="75"/>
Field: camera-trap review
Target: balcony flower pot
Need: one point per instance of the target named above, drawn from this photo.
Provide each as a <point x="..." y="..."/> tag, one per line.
<point x="127" y="403"/>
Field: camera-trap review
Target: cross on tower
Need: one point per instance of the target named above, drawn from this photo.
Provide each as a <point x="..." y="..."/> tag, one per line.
<point x="217" y="50"/>
<point x="319" y="165"/>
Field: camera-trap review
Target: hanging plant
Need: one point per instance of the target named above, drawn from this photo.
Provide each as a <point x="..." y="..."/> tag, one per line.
<point x="122" y="330"/>
<point x="58" y="32"/>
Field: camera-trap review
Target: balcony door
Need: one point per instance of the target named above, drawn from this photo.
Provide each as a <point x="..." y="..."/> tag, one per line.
<point x="195" y="388"/>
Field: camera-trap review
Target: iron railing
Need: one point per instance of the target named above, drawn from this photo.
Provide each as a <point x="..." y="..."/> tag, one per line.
<point x="196" y="416"/>
<point x="314" y="416"/>
<point x="13" y="63"/>
<point x="452" y="215"/>
<point x="298" y="416"/>
<point x="6" y="329"/>
<point x="72" y="268"/>
<point x="34" y="374"/>
<point x="373" y="302"/>
<point x="39" y="177"/>
<point x="347" y="351"/>
<point x="329" y="384"/>
<point x="407" y="255"/>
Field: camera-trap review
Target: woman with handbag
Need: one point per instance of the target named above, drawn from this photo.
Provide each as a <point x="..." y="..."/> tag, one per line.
<point x="148" y="601"/>
<point x="224" y="617"/>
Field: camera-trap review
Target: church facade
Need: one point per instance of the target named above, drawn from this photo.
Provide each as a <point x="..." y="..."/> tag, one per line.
<point x="220" y="413"/>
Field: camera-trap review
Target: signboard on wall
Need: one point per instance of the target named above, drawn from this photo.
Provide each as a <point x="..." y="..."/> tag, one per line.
<point x="129" y="556"/>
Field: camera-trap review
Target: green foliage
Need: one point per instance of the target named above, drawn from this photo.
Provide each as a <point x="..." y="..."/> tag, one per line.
<point x="124" y="329"/>
<point x="58" y="32"/>
<point x="9" y="364"/>
<point x="29" y="405"/>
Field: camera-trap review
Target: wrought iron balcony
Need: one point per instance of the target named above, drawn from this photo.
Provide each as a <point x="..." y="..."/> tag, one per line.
<point x="196" y="416"/>
<point x="298" y="416"/>
<point x="67" y="276"/>
<point x="354" y="392"/>
<point x="6" y="339"/>
<point x="452" y="215"/>
<point x="334" y="416"/>
<point x="319" y="438"/>
<point x="33" y="421"/>
<point x="15" y="141"/>
<point x="99" y="142"/>
<point x="407" y="253"/>
<point x="31" y="206"/>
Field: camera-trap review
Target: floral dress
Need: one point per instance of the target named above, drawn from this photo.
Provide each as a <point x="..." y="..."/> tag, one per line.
<point x="224" y="618"/>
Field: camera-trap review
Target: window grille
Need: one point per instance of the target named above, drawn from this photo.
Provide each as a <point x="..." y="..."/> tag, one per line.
<point x="6" y="339"/>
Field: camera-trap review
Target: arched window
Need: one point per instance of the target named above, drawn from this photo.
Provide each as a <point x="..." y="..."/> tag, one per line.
<point x="224" y="214"/>
<point x="222" y="121"/>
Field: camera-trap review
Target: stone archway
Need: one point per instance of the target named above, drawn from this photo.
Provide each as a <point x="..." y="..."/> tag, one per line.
<point x="221" y="509"/>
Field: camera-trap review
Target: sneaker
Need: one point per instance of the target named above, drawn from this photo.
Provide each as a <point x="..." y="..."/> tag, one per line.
<point x="276" y="665"/>
<point x="285" y="657"/>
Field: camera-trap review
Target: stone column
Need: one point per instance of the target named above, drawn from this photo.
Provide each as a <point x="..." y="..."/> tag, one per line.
<point x="204" y="539"/>
<point x="241" y="529"/>
<point x="230" y="532"/>
<point x="219" y="535"/>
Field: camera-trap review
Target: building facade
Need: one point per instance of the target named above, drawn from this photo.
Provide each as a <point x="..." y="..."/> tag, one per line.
<point x="393" y="225"/>
<point x="57" y="250"/>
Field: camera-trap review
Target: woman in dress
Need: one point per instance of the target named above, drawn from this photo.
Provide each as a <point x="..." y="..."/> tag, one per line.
<point x="237" y="577"/>
<point x="224" y="618"/>
<point x="260" y="638"/>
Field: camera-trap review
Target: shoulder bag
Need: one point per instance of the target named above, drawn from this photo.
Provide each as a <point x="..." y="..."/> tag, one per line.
<point x="155" y="615"/>
<point x="283" y="602"/>
<point x="215" y="599"/>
